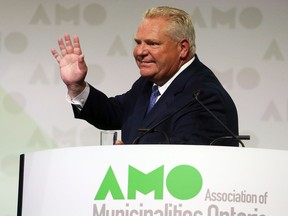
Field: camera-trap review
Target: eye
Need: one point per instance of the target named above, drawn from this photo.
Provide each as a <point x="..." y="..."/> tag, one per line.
<point x="153" y="43"/>
<point x="138" y="42"/>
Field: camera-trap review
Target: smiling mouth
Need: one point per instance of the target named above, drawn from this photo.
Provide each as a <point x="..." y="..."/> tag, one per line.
<point x="144" y="63"/>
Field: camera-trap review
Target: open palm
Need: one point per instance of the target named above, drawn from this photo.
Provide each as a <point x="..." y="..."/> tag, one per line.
<point x="73" y="68"/>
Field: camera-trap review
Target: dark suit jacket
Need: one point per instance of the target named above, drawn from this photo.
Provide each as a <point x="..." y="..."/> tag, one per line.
<point x="193" y="125"/>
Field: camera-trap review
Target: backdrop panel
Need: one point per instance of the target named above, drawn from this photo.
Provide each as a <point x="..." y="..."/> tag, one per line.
<point x="243" y="42"/>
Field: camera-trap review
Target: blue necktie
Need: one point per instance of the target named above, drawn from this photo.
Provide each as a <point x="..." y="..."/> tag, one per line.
<point x="154" y="95"/>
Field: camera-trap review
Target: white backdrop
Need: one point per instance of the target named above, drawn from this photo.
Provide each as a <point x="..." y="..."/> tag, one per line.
<point x="243" y="42"/>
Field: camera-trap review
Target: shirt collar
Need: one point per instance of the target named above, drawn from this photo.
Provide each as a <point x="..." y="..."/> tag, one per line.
<point x="163" y="88"/>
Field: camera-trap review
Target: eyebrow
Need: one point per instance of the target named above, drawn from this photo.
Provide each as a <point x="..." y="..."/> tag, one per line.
<point x="147" y="40"/>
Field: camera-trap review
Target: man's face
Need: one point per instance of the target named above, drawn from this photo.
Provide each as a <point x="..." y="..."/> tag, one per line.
<point x="156" y="54"/>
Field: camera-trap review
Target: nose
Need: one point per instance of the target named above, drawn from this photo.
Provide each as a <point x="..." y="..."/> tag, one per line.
<point x="141" y="50"/>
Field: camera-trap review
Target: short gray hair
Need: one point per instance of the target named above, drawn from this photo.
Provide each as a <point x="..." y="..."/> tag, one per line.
<point x="180" y="24"/>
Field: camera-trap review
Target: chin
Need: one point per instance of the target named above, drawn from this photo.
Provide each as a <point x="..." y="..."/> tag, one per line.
<point x="146" y="74"/>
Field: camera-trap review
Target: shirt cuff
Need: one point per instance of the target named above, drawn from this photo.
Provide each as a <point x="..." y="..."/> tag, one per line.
<point x="80" y="100"/>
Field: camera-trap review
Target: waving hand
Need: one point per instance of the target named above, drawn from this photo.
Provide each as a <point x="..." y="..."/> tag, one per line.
<point x="73" y="68"/>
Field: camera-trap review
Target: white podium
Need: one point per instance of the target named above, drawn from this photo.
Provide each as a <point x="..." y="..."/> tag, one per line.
<point x="154" y="180"/>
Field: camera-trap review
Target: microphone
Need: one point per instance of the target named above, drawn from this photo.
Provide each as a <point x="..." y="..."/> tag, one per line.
<point x="147" y="130"/>
<point x="232" y="135"/>
<point x="152" y="129"/>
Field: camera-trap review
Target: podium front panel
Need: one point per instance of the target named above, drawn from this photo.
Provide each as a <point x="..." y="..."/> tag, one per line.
<point x="160" y="180"/>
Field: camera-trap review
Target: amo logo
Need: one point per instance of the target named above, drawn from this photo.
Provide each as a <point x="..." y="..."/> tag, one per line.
<point x="183" y="182"/>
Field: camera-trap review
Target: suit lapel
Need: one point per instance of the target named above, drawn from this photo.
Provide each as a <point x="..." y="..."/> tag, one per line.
<point x="175" y="97"/>
<point x="165" y="105"/>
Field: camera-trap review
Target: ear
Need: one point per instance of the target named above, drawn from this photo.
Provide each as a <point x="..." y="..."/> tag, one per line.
<point x="185" y="48"/>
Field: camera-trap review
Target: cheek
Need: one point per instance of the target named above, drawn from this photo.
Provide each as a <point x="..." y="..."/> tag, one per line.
<point x="134" y="51"/>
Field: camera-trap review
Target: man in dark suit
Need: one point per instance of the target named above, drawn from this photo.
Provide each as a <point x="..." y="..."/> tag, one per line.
<point x="165" y="54"/>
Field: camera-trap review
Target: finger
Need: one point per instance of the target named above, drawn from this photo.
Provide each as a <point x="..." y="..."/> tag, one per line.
<point x="62" y="46"/>
<point x="82" y="64"/>
<point x="77" y="48"/>
<point x="56" y="55"/>
<point x="68" y="42"/>
<point x="81" y="58"/>
<point x="119" y="142"/>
